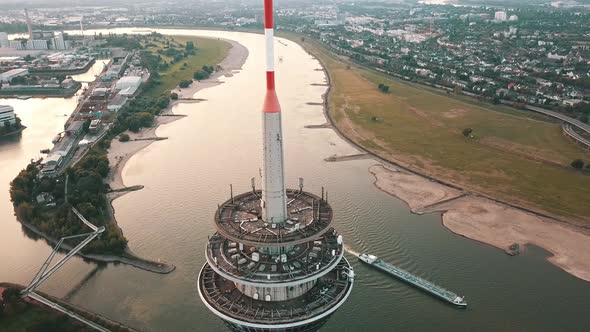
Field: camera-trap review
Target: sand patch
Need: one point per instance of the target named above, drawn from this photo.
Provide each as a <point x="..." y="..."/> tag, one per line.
<point x="416" y="191"/>
<point x="487" y="221"/>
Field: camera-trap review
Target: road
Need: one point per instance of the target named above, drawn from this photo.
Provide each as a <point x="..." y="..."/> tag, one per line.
<point x="576" y="123"/>
<point x="567" y="128"/>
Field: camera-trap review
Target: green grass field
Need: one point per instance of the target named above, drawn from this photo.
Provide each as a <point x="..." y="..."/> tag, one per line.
<point x="208" y="52"/>
<point x="515" y="156"/>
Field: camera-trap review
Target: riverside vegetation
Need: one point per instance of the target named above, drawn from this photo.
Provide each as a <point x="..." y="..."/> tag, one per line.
<point x="169" y="60"/>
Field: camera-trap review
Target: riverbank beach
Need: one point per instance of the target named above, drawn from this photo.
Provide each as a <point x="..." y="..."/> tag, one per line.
<point x="490" y="222"/>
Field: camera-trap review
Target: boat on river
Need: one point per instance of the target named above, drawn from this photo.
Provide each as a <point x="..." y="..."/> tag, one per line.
<point x="413" y="280"/>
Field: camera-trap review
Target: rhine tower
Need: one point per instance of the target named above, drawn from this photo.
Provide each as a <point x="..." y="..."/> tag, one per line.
<point x="274" y="264"/>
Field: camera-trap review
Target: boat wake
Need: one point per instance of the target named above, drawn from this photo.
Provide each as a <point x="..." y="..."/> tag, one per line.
<point x="351" y="251"/>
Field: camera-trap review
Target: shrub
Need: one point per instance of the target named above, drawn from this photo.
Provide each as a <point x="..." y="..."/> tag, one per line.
<point x="124" y="138"/>
<point x="185" y="83"/>
<point x="467" y="132"/>
<point x="578" y="164"/>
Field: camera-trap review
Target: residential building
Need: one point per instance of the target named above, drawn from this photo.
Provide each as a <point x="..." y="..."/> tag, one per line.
<point x="500" y="16"/>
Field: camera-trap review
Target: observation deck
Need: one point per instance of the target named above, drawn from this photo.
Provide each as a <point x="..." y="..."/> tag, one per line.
<point x="240" y="220"/>
<point x="300" y="263"/>
<point x="224" y="299"/>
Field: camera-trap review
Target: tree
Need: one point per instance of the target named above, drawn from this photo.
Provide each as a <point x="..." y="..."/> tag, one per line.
<point x="584" y="118"/>
<point x="105" y="143"/>
<point x="124" y="138"/>
<point x="578" y="164"/>
<point x="190" y="46"/>
<point x="174" y="96"/>
<point x="467" y="132"/>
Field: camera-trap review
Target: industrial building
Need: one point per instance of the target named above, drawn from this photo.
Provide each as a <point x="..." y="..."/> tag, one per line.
<point x="275" y="263"/>
<point x="127" y="86"/>
<point x="7" y="115"/>
<point x="7" y="77"/>
<point x="116" y="103"/>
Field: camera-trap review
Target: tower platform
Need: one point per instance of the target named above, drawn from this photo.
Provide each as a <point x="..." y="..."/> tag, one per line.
<point x="300" y="263"/>
<point x="240" y="220"/>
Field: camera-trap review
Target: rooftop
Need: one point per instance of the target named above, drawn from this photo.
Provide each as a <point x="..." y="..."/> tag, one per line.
<point x="240" y="220"/>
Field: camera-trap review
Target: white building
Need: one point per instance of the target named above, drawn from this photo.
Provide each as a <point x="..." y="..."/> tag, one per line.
<point x="35" y="44"/>
<point x="17" y="44"/>
<point x="513" y="18"/>
<point x="7" y="114"/>
<point x="58" y="42"/>
<point x="500" y="16"/>
<point x="128" y="85"/>
<point x="4" y="42"/>
<point x="9" y="75"/>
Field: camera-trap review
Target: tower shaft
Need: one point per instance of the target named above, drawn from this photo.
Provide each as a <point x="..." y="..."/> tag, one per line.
<point x="274" y="202"/>
<point x="29" y="24"/>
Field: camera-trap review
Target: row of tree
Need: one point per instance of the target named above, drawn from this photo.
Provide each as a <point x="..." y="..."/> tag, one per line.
<point x="203" y="73"/>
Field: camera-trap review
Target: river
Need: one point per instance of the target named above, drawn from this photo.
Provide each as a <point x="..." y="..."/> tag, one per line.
<point x="218" y="144"/>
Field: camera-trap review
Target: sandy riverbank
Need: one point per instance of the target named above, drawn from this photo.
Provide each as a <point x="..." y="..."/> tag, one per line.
<point x="488" y="221"/>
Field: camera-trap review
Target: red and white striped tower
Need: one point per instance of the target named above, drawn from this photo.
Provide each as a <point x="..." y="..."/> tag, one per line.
<point x="274" y="202"/>
<point x="285" y="271"/>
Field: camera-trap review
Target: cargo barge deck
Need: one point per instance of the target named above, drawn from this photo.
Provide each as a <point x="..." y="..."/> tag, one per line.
<point x="416" y="281"/>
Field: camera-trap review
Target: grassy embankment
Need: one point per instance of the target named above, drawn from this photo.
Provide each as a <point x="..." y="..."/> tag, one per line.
<point x="208" y="52"/>
<point x="514" y="156"/>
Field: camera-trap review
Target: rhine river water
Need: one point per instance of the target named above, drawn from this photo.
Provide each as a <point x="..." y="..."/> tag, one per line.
<point x="218" y="144"/>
